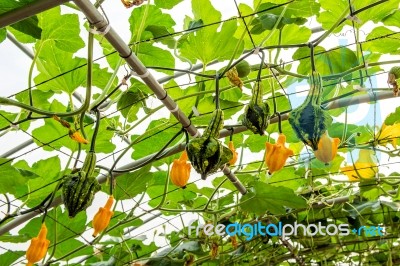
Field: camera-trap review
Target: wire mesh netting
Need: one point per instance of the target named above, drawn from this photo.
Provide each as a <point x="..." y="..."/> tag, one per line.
<point x="198" y="132"/>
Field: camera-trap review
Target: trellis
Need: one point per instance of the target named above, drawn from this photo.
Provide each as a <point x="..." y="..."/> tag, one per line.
<point x="99" y="22"/>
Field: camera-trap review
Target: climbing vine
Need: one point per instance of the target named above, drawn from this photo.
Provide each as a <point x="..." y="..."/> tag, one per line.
<point x="249" y="115"/>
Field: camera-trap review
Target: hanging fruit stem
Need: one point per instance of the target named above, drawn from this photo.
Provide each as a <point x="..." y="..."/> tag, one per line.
<point x="217" y="91"/>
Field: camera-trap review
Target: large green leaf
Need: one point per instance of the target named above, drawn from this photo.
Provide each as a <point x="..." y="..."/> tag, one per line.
<point x="9" y="257"/>
<point x="326" y="62"/>
<point x="62" y="31"/>
<point x="131" y="184"/>
<point x="154" y="17"/>
<point x="267" y="198"/>
<point x="10" y="177"/>
<point x="204" y="10"/>
<point x="69" y="70"/>
<point x="151" y="55"/>
<point x="388" y="45"/>
<point x="28" y="26"/>
<point x="3" y="34"/>
<point x="167" y="4"/>
<point x="333" y="9"/>
<point x="46" y="173"/>
<point x="157" y="135"/>
<point x="208" y="44"/>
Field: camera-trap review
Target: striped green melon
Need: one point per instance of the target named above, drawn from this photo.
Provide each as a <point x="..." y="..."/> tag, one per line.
<point x="207" y="154"/>
<point x="79" y="189"/>
<point x="257" y="113"/>
<point x="310" y="120"/>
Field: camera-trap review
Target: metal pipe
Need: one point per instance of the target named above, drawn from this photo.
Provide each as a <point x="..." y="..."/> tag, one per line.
<point x="17" y="148"/>
<point x="100" y="23"/>
<point x="97" y="20"/>
<point x="28" y="10"/>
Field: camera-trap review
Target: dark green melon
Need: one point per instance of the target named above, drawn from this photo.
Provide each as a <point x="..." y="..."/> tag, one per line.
<point x="310" y="120"/>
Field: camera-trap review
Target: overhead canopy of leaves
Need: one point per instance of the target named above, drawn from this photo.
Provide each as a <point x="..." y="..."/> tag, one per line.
<point x="186" y="45"/>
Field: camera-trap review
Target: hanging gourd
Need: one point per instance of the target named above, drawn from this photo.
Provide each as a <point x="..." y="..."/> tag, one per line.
<point x="394" y="74"/>
<point x="243" y="69"/>
<point x="327" y="148"/>
<point x="310" y="120"/>
<point x="180" y="171"/>
<point x="257" y="112"/>
<point x="206" y="153"/>
<point x="79" y="188"/>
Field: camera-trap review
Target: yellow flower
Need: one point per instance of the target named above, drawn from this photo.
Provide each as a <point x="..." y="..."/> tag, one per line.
<point x="364" y="168"/>
<point x="327" y="148"/>
<point x="277" y="154"/>
<point x="103" y="217"/>
<point x="180" y="171"/>
<point x="38" y="247"/>
<point x="234" y="153"/>
<point x="75" y="135"/>
<point x="389" y="134"/>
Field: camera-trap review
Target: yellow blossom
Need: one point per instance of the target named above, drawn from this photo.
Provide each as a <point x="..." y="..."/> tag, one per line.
<point x="103" y="217"/>
<point x="38" y="247"/>
<point x="75" y="135"/>
<point x="364" y="168"/>
<point x="277" y="154"/>
<point x="180" y="171"/>
<point x="234" y="153"/>
<point x="327" y="148"/>
<point x="389" y="133"/>
<point x="234" y="78"/>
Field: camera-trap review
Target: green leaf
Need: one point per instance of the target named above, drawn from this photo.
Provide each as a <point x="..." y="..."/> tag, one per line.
<point x="130" y="103"/>
<point x="167" y="4"/>
<point x="156" y="138"/>
<point x="53" y="62"/>
<point x="295" y="9"/>
<point x="154" y="17"/>
<point x="204" y="10"/>
<point x="151" y="55"/>
<point x="60" y="30"/>
<point x="117" y="217"/>
<point x="335" y="8"/>
<point x="393" y="117"/>
<point x="3" y="34"/>
<point x="67" y="228"/>
<point x="376" y="13"/>
<point x="11" y="177"/>
<point x="326" y="62"/>
<point x="53" y="133"/>
<point x="270" y="198"/>
<point x="14" y="238"/>
<point x="291" y="34"/>
<point x="131" y="184"/>
<point x="46" y="173"/>
<point x="286" y="177"/>
<point x="208" y="44"/>
<point x="184" y="104"/>
<point x="393" y="19"/>
<point x="383" y="45"/>
<point x="28" y="26"/>
<point x="9" y="257"/>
